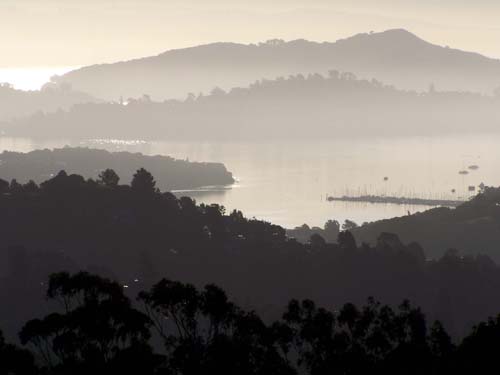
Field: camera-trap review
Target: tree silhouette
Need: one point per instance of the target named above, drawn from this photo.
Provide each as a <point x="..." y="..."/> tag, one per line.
<point x="374" y="339"/>
<point x="62" y="183"/>
<point x="109" y="178"/>
<point x="4" y="186"/>
<point x="15" y="361"/>
<point x="346" y="241"/>
<point x="479" y="351"/>
<point x="317" y="242"/>
<point x="332" y="229"/>
<point x="15" y="187"/>
<point x="30" y="187"/>
<point x="96" y="330"/>
<point x="204" y="333"/>
<point x="349" y="225"/>
<point x="143" y="182"/>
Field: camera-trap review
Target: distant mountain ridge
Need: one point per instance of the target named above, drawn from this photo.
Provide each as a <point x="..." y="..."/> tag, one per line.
<point x="18" y="103"/>
<point x="312" y="106"/>
<point x="396" y="57"/>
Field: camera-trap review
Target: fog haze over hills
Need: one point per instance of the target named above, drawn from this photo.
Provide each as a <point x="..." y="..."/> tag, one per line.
<point x="19" y="103"/>
<point x="396" y="57"/>
<point x="118" y="201"/>
<point x="313" y="107"/>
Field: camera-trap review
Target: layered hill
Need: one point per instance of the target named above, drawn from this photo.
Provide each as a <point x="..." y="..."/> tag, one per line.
<point x="171" y="174"/>
<point x="472" y="227"/>
<point x="18" y="103"/>
<point x="314" y="106"/>
<point x="397" y="57"/>
<point x="138" y="235"/>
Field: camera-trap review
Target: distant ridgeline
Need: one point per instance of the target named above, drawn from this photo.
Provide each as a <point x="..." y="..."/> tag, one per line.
<point x="171" y="174"/>
<point x="18" y="103"/>
<point x="138" y="234"/>
<point x="396" y="57"/>
<point x="314" y="106"/>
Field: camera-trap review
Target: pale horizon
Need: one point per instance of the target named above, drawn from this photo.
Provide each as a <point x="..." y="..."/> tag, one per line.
<point x="51" y="33"/>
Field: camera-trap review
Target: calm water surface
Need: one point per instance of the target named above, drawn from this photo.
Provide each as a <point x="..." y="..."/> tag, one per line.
<point x="287" y="182"/>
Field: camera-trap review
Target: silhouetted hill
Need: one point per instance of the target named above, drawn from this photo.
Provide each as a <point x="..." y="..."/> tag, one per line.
<point x="297" y="107"/>
<point x="18" y="103"/>
<point x="394" y="56"/>
<point x="171" y="174"/>
<point x="472" y="227"/>
<point x="138" y="235"/>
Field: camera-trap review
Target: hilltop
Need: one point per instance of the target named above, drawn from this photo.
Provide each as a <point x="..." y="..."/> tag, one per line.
<point x="396" y="57"/>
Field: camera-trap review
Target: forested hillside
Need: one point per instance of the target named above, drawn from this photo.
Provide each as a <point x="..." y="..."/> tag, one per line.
<point x="171" y="174"/>
<point x="313" y="106"/>
<point x="138" y="235"/>
<point x="397" y="57"/>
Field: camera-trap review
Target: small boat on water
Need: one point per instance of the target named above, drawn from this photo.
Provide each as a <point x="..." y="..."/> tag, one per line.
<point x="463" y="172"/>
<point x="473" y="167"/>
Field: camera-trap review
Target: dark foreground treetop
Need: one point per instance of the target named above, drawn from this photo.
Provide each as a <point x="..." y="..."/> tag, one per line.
<point x="92" y="326"/>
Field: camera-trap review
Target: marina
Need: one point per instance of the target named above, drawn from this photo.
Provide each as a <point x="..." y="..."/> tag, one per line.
<point x="397" y="200"/>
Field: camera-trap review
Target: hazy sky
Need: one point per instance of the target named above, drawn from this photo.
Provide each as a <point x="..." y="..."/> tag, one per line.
<point x="81" y="32"/>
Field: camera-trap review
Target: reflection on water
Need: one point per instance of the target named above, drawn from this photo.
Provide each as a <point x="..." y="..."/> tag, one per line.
<point x="112" y="142"/>
<point x="206" y="193"/>
<point x="287" y="182"/>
